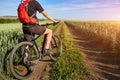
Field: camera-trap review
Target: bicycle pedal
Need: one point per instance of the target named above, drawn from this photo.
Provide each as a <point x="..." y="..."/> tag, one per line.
<point x="25" y="59"/>
<point x="27" y="64"/>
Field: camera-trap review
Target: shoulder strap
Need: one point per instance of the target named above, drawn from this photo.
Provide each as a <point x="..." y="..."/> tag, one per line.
<point x="27" y="1"/>
<point x="33" y="14"/>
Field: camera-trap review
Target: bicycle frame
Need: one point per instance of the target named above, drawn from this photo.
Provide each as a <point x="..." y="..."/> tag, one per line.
<point x="30" y="59"/>
<point x="44" y="39"/>
<point x="43" y="44"/>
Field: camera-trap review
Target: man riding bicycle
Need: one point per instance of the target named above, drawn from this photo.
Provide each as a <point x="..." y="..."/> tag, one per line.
<point x="26" y="55"/>
<point x="35" y="28"/>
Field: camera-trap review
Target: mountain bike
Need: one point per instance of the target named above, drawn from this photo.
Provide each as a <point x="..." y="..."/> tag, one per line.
<point x="23" y="66"/>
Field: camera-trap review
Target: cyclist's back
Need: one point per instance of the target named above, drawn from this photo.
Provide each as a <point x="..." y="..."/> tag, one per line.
<point x="35" y="28"/>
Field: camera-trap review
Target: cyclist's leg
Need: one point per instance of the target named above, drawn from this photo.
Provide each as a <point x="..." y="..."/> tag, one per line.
<point x="39" y="30"/>
<point x="48" y="32"/>
<point x="27" y="37"/>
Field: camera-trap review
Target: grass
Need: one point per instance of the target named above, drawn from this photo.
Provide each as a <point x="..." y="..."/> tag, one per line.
<point x="8" y="39"/>
<point x="70" y="65"/>
<point x="10" y="35"/>
<point x="10" y="26"/>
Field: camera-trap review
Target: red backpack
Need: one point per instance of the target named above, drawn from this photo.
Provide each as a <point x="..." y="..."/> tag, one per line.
<point x="23" y="14"/>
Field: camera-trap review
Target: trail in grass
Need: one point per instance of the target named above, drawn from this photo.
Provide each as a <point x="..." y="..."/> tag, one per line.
<point x="101" y="60"/>
<point x="43" y="69"/>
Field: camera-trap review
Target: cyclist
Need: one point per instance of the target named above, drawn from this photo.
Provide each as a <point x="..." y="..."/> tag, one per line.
<point x="35" y="28"/>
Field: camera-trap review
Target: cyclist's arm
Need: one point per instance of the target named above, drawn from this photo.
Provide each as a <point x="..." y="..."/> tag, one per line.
<point x="48" y="16"/>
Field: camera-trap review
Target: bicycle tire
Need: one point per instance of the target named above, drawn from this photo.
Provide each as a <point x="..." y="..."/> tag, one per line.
<point x="55" y="47"/>
<point x="17" y="58"/>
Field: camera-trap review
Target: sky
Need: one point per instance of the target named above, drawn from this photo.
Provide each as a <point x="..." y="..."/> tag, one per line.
<point x="70" y="9"/>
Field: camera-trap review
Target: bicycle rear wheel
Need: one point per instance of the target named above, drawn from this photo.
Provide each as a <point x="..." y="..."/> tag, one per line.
<point x="21" y="65"/>
<point x="55" y="47"/>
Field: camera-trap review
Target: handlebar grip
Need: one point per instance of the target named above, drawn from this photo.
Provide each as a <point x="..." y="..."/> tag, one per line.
<point x="47" y="24"/>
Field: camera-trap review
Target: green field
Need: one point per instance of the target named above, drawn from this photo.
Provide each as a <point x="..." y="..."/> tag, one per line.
<point x="10" y="35"/>
<point x="70" y="65"/>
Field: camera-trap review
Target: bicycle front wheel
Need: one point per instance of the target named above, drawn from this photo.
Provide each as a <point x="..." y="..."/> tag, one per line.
<point x="23" y="60"/>
<point x="55" y="47"/>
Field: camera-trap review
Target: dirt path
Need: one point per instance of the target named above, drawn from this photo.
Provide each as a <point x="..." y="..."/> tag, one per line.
<point x="103" y="63"/>
<point x="43" y="69"/>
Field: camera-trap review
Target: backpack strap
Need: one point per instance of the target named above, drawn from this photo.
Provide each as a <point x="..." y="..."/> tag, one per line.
<point x="33" y="14"/>
<point x="27" y="7"/>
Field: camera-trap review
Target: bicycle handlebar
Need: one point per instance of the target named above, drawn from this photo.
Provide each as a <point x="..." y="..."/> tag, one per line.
<point x="47" y="24"/>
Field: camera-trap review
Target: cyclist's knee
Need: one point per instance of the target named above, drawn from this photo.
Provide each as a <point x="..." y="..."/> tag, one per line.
<point x="48" y="31"/>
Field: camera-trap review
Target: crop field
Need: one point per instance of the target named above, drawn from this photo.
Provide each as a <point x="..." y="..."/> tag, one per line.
<point x="10" y="34"/>
<point x="108" y="31"/>
<point x="72" y="65"/>
<point x="99" y="42"/>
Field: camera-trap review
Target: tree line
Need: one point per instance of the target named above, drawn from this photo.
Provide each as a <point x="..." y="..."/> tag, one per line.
<point x="2" y="20"/>
<point x="9" y="20"/>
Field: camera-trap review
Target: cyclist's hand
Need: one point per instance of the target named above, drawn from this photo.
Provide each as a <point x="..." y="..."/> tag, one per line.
<point x="56" y="22"/>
